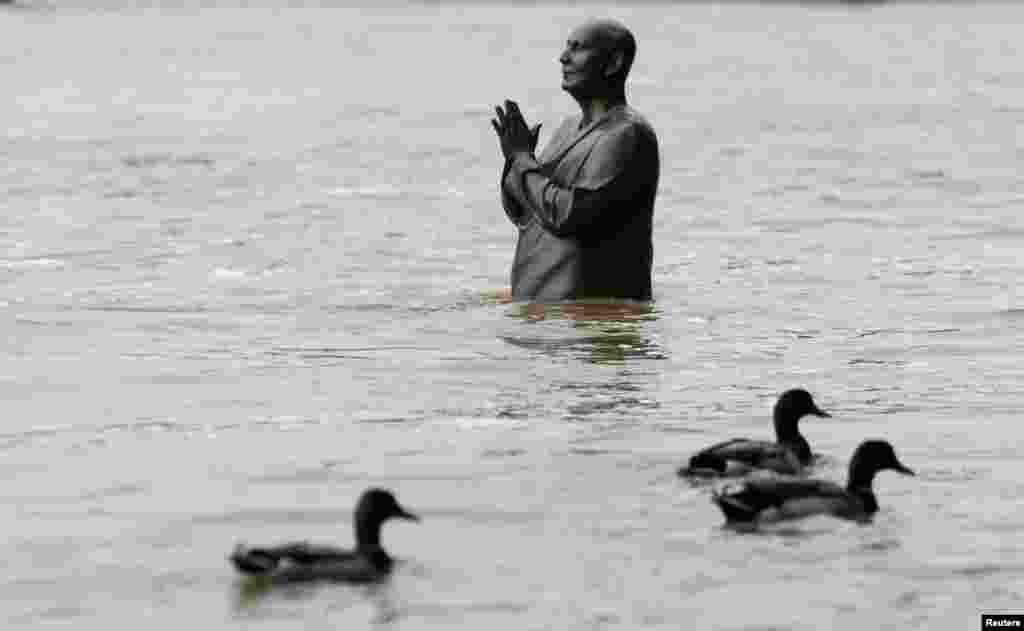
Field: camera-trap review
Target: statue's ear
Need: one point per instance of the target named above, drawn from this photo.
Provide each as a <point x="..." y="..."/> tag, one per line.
<point x="615" y="63"/>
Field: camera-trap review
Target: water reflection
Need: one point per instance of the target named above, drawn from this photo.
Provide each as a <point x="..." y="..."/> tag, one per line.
<point x="252" y="592"/>
<point x="605" y="332"/>
<point x="611" y="336"/>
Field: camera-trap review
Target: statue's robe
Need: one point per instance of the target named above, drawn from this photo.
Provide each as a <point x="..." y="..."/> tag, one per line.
<point x="584" y="209"/>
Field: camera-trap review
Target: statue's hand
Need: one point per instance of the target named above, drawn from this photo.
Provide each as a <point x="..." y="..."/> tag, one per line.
<point x="513" y="134"/>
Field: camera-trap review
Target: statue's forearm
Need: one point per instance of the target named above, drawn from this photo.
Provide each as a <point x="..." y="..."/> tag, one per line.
<point x="564" y="211"/>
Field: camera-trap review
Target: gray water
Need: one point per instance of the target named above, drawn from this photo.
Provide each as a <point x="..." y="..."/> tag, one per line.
<point x="249" y="259"/>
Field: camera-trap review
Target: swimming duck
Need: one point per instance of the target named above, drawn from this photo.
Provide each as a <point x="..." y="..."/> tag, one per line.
<point x="779" y="498"/>
<point x="301" y="561"/>
<point x="788" y="454"/>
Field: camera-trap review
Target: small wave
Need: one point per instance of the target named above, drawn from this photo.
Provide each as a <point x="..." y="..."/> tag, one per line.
<point x="772" y="262"/>
<point x="801" y="334"/>
<point x="31" y="263"/>
<point x="271" y="516"/>
<point x="928" y="174"/>
<point x="593" y="451"/>
<point x="375" y="192"/>
<point x="394" y="192"/>
<point x="445" y="610"/>
<point x="869" y="332"/>
<point x="807" y="529"/>
<point x="503" y="453"/>
<point x="152" y="160"/>
<point x="473" y="422"/>
<point x="20" y="439"/>
<point x="964" y="474"/>
<point x="987" y="569"/>
<point x="51" y="613"/>
<point x="147" y="309"/>
<point x="123" y="194"/>
<point x="880" y="546"/>
<point x="589" y="408"/>
<point x="223" y="273"/>
<point x="677" y="428"/>
<point x="385" y="420"/>
<point x="44" y="323"/>
<point x="860" y="361"/>
<point x="327" y="352"/>
<point x="117" y="490"/>
<point x="366" y="307"/>
<point x="900" y="409"/>
<point x="324" y="473"/>
<point x="414" y="309"/>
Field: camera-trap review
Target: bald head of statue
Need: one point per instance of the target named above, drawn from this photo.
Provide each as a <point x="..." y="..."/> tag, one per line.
<point x="597" y="58"/>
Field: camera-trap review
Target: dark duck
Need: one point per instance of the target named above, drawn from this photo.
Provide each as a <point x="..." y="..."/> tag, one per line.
<point x="302" y="561"/>
<point x="761" y="500"/>
<point x="789" y="454"/>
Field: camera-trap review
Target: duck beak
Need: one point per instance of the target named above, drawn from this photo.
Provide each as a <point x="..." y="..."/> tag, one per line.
<point x="401" y="513"/>
<point x="821" y="413"/>
<point x="902" y="469"/>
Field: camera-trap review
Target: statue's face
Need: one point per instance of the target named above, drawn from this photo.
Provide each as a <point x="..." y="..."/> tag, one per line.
<point x="583" y="63"/>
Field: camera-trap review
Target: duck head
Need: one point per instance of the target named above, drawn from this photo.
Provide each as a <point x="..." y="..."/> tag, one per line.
<point x="789" y="409"/>
<point x="375" y="507"/>
<point x="795" y="404"/>
<point x="870" y="457"/>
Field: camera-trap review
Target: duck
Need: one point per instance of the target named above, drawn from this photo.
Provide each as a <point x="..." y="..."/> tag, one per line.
<point x="789" y="454"/>
<point x="770" y="499"/>
<point x="302" y="561"/>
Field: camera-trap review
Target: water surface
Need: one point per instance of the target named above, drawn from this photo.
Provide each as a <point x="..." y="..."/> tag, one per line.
<point x="248" y="258"/>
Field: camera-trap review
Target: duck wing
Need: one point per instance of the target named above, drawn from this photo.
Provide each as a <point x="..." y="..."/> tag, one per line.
<point x="354" y="568"/>
<point x="739" y="455"/>
<point x="782" y="498"/>
<point x="264" y="560"/>
<point x="304" y="553"/>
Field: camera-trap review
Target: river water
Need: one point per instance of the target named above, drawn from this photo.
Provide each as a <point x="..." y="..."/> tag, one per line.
<point x="249" y="258"/>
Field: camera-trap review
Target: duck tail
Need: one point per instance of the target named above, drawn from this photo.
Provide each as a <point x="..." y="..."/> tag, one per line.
<point x="703" y="465"/>
<point x="730" y="501"/>
<point x="253" y="561"/>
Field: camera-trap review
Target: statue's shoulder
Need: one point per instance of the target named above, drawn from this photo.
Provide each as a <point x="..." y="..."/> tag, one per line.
<point x="626" y="133"/>
<point x="628" y="120"/>
<point x="568" y="127"/>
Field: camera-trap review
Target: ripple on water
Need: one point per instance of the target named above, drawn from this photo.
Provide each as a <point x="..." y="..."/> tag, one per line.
<point x="31" y="263"/>
<point x="325" y="472"/>
<point x="882" y="545"/>
<point x="502" y="453"/>
<point x="158" y="309"/>
<point x="117" y="490"/>
<point x="329" y="353"/>
<point x="52" y="613"/>
<point x="265" y="516"/>
<point x="386" y="420"/>
<point x="954" y="474"/>
<point x="972" y="570"/>
<point x="593" y="451"/>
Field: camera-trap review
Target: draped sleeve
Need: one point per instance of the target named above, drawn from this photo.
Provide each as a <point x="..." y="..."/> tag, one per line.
<point x="610" y="175"/>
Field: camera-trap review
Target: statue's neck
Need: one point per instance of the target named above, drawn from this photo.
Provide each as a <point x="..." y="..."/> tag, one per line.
<point x="595" y="107"/>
